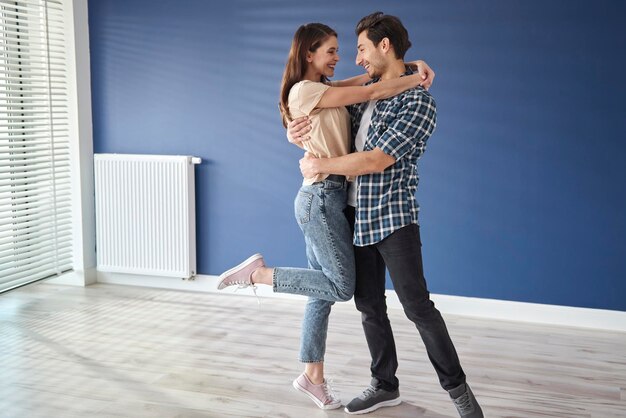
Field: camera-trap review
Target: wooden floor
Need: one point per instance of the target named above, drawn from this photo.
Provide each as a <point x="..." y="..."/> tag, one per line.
<point x="118" y="351"/>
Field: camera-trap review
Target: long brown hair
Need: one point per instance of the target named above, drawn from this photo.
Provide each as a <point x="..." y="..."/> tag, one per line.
<point x="306" y="39"/>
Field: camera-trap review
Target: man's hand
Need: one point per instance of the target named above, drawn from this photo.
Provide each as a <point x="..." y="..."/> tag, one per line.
<point x="308" y="165"/>
<point x="427" y="73"/>
<point x="298" y="129"/>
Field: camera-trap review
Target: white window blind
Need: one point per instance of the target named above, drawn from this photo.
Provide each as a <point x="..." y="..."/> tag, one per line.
<point x="35" y="193"/>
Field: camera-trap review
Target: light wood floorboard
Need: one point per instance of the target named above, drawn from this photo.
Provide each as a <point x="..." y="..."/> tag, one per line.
<point x="121" y="351"/>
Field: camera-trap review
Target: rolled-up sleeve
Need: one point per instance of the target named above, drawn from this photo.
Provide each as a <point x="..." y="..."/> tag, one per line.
<point x="414" y="122"/>
<point x="309" y="95"/>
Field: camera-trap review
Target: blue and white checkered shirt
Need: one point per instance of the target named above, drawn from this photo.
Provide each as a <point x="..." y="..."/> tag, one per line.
<point x="400" y="127"/>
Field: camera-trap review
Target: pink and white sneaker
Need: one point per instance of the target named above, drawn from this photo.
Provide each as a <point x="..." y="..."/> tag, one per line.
<point x="321" y="394"/>
<point x="241" y="274"/>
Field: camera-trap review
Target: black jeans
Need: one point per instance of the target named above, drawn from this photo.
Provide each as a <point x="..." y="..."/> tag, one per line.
<point x="401" y="253"/>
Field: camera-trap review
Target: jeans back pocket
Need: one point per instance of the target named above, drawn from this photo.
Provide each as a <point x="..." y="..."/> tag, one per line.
<point x="303" y="204"/>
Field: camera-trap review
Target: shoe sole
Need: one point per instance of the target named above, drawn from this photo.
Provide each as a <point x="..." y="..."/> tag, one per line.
<point x="317" y="402"/>
<point x="391" y="402"/>
<point x="237" y="268"/>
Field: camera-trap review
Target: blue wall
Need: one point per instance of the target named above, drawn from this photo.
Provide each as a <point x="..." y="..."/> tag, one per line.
<point x="522" y="187"/>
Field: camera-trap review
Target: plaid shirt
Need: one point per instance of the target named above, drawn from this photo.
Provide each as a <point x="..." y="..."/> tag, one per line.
<point x="400" y="127"/>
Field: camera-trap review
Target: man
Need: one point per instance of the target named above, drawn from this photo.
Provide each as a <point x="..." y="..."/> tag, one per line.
<point x="390" y="136"/>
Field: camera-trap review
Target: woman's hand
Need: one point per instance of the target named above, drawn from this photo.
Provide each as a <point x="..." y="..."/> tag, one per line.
<point x="298" y="129"/>
<point x="426" y="73"/>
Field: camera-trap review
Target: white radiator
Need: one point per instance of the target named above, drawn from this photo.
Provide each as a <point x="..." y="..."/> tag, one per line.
<point x="145" y="214"/>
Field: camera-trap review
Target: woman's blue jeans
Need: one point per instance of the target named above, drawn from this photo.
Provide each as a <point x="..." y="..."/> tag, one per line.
<point x="319" y="210"/>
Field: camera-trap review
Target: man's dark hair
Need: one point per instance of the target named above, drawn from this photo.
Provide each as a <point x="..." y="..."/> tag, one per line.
<point x="379" y="25"/>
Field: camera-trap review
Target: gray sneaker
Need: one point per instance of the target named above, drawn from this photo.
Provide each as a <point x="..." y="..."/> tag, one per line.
<point x="465" y="402"/>
<point x="373" y="398"/>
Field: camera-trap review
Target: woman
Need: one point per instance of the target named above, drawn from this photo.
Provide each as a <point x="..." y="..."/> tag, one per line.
<point x="319" y="205"/>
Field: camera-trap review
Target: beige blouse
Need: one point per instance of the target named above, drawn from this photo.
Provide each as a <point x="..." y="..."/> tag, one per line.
<point x="330" y="127"/>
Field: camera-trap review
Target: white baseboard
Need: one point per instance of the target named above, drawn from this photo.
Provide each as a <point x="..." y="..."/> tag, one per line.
<point x="453" y="305"/>
<point x="76" y="278"/>
<point x="525" y="312"/>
